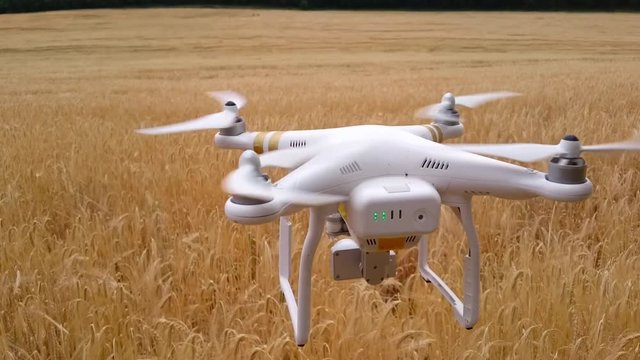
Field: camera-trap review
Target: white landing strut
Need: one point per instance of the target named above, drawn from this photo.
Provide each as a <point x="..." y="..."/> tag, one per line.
<point x="300" y="311"/>
<point x="468" y="312"/>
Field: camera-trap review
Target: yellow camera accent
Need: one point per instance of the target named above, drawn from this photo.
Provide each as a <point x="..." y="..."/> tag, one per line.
<point x="394" y="243"/>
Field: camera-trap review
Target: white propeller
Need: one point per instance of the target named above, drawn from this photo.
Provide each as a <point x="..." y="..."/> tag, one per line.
<point x="231" y="101"/>
<point x="247" y="181"/>
<point x="445" y="109"/>
<point x="569" y="146"/>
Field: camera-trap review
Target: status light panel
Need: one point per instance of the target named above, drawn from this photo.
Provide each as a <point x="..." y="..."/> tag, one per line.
<point x="386" y="215"/>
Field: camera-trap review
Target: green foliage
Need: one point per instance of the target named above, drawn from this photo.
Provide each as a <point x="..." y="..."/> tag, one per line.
<point x="43" y="5"/>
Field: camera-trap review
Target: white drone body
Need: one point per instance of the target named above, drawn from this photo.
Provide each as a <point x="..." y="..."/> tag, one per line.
<point x="382" y="187"/>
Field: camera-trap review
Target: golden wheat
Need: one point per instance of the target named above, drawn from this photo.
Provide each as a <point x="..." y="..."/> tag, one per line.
<point x="115" y="245"/>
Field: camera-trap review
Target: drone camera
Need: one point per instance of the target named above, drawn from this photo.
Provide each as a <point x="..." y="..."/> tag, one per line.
<point x="348" y="262"/>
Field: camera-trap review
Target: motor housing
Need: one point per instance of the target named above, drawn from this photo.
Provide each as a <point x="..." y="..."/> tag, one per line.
<point x="568" y="168"/>
<point x="238" y="127"/>
<point x="564" y="170"/>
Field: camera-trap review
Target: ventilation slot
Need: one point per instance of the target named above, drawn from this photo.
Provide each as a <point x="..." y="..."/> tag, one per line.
<point x="350" y="168"/>
<point x="371" y="242"/>
<point x="472" y="192"/>
<point x="430" y="163"/>
<point x="297" y="143"/>
<point x="411" y="239"/>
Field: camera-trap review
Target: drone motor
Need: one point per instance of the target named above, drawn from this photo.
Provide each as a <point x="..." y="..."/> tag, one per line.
<point x="237" y="128"/>
<point x="568" y="168"/>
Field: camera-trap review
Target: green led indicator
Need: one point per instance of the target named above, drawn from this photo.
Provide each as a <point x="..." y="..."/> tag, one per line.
<point x="384" y="216"/>
<point x="375" y="216"/>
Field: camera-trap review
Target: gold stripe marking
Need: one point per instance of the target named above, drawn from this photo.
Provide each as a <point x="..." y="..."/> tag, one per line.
<point x="258" y="142"/>
<point x="274" y="140"/>
<point x="439" y="131"/>
<point x="433" y="133"/>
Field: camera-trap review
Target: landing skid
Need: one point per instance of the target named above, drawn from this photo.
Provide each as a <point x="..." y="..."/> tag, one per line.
<point x="300" y="310"/>
<point x="467" y="312"/>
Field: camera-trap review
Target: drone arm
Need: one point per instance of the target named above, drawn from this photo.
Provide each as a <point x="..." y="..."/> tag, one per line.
<point x="244" y="141"/>
<point x="300" y="311"/>
<point x="467" y="312"/>
<point x="434" y="132"/>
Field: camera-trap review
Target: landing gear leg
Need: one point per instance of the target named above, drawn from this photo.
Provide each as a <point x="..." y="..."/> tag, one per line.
<point x="300" y="311"/>
<point x="466" y="312"/>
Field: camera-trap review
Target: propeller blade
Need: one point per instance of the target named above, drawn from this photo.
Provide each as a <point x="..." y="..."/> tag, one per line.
<point x="434" y="111"/>
<point x="247" y="181"/>
<point x="475" y="100"/>
<point x="519" y="152"/>
<point x="445" y="110"/>
<point x="219" y="120"/>
<point x="231" y="102"/>
<point x="629" y="145"/>
<point x="569" y="146"/>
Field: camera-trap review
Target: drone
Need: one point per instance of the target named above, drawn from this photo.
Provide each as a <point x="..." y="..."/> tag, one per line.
<point x="379" y="189"/>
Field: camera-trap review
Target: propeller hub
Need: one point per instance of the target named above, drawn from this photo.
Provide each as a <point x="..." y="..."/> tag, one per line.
<point x="448" y="101"/>
<point x="231" y="106"/>
<point x="570" y="147"/>
<point x="250" y="158"/>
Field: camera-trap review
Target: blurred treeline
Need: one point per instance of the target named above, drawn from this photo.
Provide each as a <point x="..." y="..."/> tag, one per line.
<point x="578" y="5"/>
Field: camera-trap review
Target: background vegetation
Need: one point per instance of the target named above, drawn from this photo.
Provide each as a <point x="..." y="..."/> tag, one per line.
<point x="114" y="245"/>
<point x="41" y="5"/>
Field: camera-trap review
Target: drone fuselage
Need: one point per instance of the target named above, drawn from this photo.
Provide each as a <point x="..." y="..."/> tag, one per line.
<point x="453" y="173"/>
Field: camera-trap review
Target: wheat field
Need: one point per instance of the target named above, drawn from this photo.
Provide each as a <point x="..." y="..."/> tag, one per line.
<point x="115" y="245"/>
